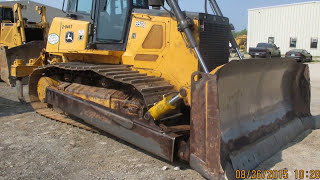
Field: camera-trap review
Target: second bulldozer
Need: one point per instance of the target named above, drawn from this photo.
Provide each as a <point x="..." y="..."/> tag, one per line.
<point x="19" y="39"/>
<point x="162" y="80"/>
<point x="242" y="42"/>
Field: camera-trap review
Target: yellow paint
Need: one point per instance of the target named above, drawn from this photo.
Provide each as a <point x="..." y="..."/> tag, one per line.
<point x="60" y="27"/>
<point x="2" y="6"/>
<point x="242" y="42"/>
<point x="112" y="103"/>
<point x="161" y="108"/>
<point x="19" y="69"/>
<point x="13" y="34"/>
<point x="43" y="84"/>
<point x="20" y="22"/>
<point x="10" y="35"/>
<point x="77" y="50"/>
<point x="175" y="61"/>
<point x="217" y="69"/>
<point x="103" y="102"/>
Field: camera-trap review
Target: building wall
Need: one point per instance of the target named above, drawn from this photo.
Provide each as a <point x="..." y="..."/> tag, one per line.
<point x="300" y="21"/>
<point x="30" y="12"/>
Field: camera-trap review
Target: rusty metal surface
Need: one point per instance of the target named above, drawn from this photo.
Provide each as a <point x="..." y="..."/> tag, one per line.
<point x="158" y="143"/>
<point x="255" y="105"/>
<point x="111" y="98"/>
<point x="205" y="131"/>
<point x="265" y="108"/>
<point x="24" y="52"/>
<point x="151" y="88"/>
<point x="258" y="93"/>
<point x="231" y="112"/>
<point x="146" y="136"/>
<point x="254" y="154"/>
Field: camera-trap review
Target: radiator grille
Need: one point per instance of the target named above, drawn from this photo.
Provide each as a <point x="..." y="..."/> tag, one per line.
<point x="214" y="32"/>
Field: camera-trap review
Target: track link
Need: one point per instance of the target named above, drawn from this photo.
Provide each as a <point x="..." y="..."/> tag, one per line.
<point x="150" y="87"/>
<point x="51" y="114"/>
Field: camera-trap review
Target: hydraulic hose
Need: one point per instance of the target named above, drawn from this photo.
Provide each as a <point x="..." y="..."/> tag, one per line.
<point x="184" y="26"/>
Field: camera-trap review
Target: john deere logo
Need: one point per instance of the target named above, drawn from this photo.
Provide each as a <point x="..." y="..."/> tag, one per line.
<point x="69" y="37"/>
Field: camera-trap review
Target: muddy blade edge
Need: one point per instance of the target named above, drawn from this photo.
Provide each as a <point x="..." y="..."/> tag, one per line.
<point x="243" y="110"/>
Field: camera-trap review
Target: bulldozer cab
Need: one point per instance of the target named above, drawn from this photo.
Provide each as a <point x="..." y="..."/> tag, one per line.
<point x="6" y="14"/>
<point x="111" y="22"/>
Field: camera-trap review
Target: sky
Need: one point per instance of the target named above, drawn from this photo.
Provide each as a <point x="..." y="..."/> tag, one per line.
<point x="235" y="10"/>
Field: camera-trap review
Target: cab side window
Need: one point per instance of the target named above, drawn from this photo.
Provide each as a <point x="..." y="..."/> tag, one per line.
<point x="112" y="19"/>
<point x="79" y="6"/>
<point x="84" y="6"/>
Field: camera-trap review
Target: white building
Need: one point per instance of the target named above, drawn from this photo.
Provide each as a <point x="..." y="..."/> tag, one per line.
<point x="291" y="26"/>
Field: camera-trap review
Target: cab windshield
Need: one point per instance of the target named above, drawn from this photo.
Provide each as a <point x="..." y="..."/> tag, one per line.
<point x="112" y="18"/>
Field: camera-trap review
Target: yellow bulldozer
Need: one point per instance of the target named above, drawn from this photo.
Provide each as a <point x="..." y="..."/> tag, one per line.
<point x="20" y="39"/>
<point x="162" y="80"/>
<point x="242" y="42"/>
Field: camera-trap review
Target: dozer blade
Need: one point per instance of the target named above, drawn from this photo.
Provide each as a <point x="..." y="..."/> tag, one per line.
<point x="245" y="113"/>
<point x="24" y="52"/>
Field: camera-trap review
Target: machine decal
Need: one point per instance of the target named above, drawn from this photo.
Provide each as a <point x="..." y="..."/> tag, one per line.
<point x="53" y="38"/>
<point x="67" y="26"/>
<point x="134" y="35"/>
<point x="7" y="24"/>
<point x="140" y="24"/>
<point x="81" y="34"/>
<point x="69" y="37"/>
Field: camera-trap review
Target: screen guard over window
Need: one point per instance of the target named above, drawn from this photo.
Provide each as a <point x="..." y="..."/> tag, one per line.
<point x="112" y="20"/>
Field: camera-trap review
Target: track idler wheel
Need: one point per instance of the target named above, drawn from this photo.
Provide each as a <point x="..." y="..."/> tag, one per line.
<point x="43" y="84"/>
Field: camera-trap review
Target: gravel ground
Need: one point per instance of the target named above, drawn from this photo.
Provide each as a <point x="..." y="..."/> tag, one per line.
<point x="34" y="147"/>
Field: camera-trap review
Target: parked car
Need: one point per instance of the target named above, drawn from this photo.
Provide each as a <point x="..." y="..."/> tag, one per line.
<point x="300" y="55"/>
<point x="267" y="50"/>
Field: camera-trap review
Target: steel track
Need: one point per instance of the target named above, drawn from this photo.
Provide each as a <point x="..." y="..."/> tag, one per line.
<point x="151" y="88"/>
